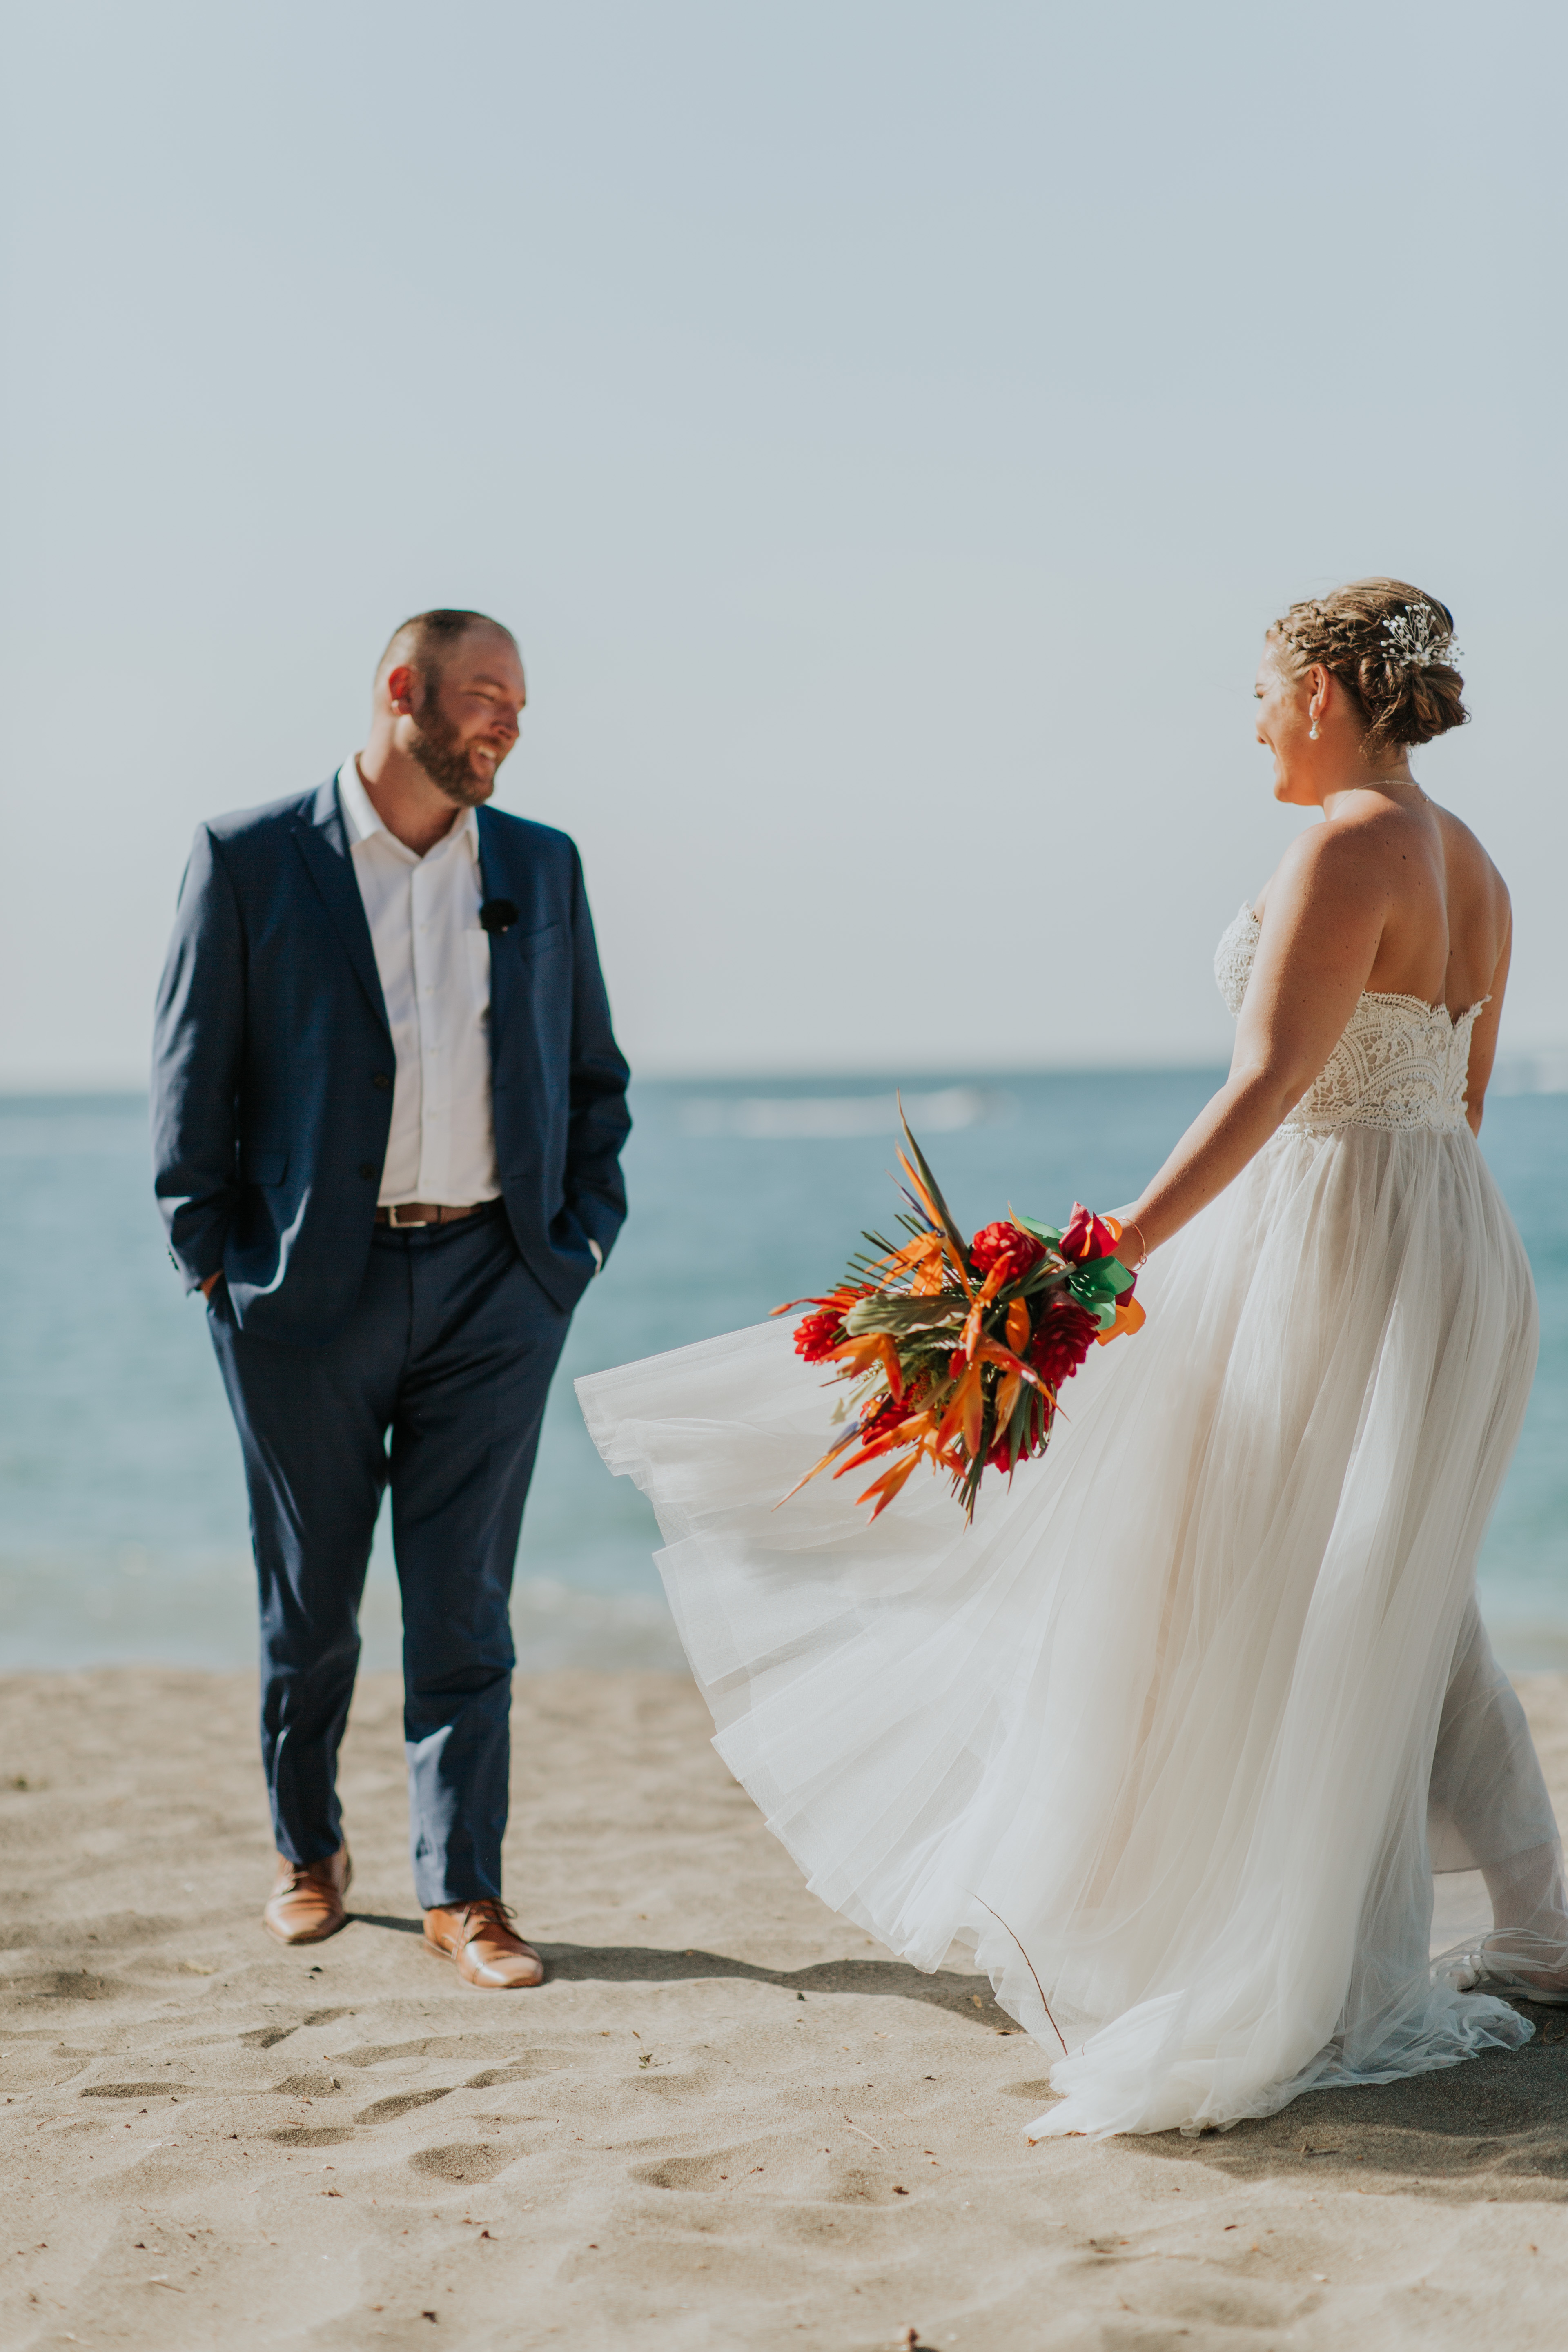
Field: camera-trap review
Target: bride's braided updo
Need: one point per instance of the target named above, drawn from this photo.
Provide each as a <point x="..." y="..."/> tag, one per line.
<point x="1391" y="647"/>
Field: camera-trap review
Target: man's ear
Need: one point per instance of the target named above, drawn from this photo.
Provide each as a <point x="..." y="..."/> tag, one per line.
<point x="403" y="683"/>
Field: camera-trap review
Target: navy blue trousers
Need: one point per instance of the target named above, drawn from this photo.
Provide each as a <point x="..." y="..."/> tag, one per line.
<point x="436" y="1387"/>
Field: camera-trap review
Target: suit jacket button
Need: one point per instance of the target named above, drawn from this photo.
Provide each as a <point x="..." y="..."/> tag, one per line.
<point x="366" y="1169"/>
<point x="379" y="1079"/>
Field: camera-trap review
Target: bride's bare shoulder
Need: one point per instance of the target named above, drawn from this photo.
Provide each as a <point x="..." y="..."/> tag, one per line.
<point x="1352" y="857"/>
<point x="1409" y="882"/>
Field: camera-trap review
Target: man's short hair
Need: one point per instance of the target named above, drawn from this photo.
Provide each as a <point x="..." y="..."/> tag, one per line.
<point x="425" y="641"/>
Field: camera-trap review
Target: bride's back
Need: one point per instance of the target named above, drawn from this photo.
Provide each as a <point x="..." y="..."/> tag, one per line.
<point x="1447" y="921"/>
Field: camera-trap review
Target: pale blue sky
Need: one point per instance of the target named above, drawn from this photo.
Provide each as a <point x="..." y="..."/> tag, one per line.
<point x="888" y="428"/>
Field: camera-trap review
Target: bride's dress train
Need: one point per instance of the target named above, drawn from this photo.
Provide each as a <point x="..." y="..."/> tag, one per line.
<point x="1175" y="1735"/>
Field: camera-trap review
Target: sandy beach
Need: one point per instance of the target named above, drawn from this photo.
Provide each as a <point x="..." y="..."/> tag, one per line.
<point x="726" y="2120"/>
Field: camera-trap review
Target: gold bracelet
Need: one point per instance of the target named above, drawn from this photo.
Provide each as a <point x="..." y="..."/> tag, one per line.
<point x="1142" y="1244"/>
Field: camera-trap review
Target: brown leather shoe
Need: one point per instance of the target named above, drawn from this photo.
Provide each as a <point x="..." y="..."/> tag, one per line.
<point x="307" y="1904"/>
<point x="489" y="1952"/>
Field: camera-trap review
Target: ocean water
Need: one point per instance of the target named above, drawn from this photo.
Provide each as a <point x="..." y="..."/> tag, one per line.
<point x="122" y="1513"/>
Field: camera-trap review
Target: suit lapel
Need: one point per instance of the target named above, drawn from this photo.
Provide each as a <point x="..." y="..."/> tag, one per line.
<point x="324" y="844"/>
<point x="506" y="968"/>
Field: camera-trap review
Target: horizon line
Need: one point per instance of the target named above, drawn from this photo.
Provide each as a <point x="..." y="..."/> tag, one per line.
<point x="121" y="1085"/>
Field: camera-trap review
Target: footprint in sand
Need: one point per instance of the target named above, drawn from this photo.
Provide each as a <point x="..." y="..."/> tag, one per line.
<point x="385" y="2111"/>
<point x="465" y="2160"/>
<point x="691" y="2171"/>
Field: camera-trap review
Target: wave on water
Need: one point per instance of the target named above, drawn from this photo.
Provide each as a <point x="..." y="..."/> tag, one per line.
<point x="775" y="1118"/>
<point x="131" y="1605"/>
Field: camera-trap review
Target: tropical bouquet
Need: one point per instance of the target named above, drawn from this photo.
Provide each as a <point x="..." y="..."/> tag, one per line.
<point x="956" y="1351"/>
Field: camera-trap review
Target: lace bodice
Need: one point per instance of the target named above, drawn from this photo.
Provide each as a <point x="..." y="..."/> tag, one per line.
<point x="1400" y="1062"/>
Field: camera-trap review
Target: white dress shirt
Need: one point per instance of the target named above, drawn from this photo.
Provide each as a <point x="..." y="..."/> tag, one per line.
<point x="435" y="965"/>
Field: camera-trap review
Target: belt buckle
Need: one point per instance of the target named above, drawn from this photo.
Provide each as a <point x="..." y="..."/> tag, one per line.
<point x="407" y="1224"/>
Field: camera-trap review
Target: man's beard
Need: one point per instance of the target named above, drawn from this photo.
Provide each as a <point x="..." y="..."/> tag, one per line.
<point x="437" y="746"/>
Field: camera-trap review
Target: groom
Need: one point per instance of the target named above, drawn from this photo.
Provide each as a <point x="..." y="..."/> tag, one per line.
<point x="388" y="1112"/>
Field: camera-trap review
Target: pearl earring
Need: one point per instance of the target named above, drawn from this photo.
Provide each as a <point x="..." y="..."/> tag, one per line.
<point x="1312" y="729"/>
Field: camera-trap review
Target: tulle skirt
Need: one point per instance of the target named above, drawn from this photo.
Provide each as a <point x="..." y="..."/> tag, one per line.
<point x="1175" y="1735"/>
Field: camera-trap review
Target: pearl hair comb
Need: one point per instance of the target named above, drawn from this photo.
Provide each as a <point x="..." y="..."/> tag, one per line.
<point x="1418" y="638"/>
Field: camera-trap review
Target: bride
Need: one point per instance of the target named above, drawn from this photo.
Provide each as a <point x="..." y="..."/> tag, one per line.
<point x="1175" y="1736"/>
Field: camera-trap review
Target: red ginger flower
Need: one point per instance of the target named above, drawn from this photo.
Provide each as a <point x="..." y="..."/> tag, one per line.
<point x="1006" y="1246"/>
<point x="816" y="1336"/>
<point x="1066" y="1334"/>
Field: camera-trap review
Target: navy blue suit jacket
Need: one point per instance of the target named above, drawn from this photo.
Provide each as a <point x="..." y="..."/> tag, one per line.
<point x="273" y="1065"/>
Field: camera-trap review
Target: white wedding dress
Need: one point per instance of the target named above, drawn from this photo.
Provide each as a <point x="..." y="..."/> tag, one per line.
<point x="1193" y="1710"/>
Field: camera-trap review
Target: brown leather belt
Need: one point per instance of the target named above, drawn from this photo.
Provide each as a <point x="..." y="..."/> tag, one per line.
<point x="424" y="1212"/>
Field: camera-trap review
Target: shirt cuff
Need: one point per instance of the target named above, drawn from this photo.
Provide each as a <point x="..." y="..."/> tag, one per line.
<point x="598" y="1256"/>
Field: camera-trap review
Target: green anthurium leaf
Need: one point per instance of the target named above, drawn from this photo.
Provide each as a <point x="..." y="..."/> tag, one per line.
<point x="1050" y="1234"/>
<point x="1099" y="1277"/>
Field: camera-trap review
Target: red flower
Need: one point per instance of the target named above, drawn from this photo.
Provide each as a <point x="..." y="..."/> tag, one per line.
<point x="885" y="1416"/>
<point x="1087" y="1236"/>
<point x="1002" y="1457"/>
<point x="1006" y="1246"/>
<point x="1066" y="1332"/>
<point x="816" y="1336"/>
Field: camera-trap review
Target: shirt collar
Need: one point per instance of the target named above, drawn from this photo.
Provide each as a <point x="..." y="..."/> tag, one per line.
<point x="363" y="823"/>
